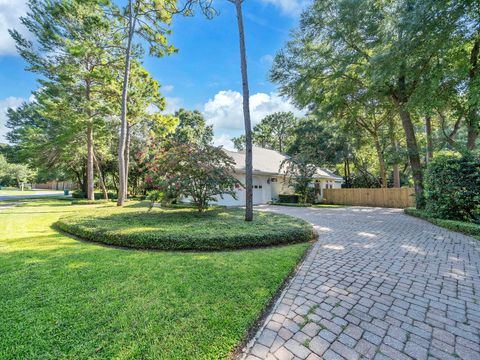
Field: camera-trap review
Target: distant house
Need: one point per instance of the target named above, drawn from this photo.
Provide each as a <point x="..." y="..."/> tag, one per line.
<point x="269" y="179"/>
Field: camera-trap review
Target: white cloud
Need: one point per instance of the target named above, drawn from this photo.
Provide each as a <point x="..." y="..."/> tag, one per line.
<point x="173" y="104"/>
<point x="289" y="7"/>
<point x="10" y="12"/>
<point x="167" y="88"/>
<point x="9" y="102"/>
<point x="224" y="140"/>
<point x="225" y="110"/>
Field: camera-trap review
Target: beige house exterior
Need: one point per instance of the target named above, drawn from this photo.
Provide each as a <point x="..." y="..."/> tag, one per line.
<point x="269" y="179"/>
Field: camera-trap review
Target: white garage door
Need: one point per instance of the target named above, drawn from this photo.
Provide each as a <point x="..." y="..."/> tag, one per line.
<point x="261" y="194"/>
<point x="258" y="191"/>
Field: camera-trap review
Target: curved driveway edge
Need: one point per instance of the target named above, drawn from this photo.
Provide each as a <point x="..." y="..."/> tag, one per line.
<point x="377" y="284"/>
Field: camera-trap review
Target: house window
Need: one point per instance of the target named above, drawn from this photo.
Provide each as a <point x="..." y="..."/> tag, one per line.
<point x="256" y="186"/>
<point x="259" y="186"/>
<point x="274" y="180"/>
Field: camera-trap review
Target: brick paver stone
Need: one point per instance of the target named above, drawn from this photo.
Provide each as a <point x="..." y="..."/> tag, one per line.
<point x="377" y="284"/>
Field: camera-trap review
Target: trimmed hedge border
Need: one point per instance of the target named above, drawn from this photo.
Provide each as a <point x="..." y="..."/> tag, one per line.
<point x="291" y="204"/>
<point x="315" y="206"/>
<point x="277" y="229"/>
<point x="90" y="202"/>
<point x="454" y="225"/>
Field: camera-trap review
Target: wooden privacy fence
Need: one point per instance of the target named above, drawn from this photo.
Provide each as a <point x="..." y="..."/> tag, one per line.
<point x="391" y="197"/>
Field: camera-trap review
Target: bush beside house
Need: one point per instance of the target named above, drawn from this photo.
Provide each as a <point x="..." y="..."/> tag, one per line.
<point x="453" y="188"/>
<point x="452" y="194"/>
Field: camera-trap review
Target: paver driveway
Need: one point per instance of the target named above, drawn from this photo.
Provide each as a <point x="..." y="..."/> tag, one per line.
<point x="377" y="284"/>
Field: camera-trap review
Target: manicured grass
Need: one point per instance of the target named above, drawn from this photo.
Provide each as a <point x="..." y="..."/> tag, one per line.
<point x="29" y="199"/>
<point x="328" y="206"/>
<point x="61" y="298"/>
<point x="184" y="228"/>
<point x="317" y="206"/>
<point x="460" y="226"/>
<point x="12" y="191"/>
<point x="90" y="202"/>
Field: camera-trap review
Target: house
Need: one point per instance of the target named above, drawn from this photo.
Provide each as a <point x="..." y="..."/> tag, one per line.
<point x="269" y="179"/>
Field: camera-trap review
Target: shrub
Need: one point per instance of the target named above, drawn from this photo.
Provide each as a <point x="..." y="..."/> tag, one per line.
<point x="452" y="188"/>
<point x="467" y="228"/>
<point x="311" y="195"/>
<point x="288" y="198"/>
<point x="79" y="194"/>
<point x="185" y="229"/>
<point x="99" y="195"/>
<point x="292" y="204"/>
<point x="156" y="196"/>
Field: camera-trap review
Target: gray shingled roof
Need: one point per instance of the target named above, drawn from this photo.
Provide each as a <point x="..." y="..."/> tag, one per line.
<point x="266" y="161"/>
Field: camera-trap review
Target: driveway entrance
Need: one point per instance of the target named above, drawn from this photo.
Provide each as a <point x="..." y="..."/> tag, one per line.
<point x="377" y="284"/>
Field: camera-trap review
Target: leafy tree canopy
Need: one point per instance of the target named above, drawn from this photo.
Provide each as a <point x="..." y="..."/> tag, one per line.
<point x="200" y="172"/>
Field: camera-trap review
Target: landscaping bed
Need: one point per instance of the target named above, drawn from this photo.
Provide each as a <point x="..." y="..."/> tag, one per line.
<point x="184" y="228"/>
<point x="291" y="204"/>
<point x="467" y="228"/>
<point x="316" y="206"/>
<point x="66" y="299"/>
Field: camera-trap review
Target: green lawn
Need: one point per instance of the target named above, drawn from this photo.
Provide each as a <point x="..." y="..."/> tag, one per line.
<point x="61" y="298"/>
<point x="13" y="191"/>
<point x="328" y="206"/>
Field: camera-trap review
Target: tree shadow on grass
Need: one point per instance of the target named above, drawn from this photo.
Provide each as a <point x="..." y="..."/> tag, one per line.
<point x="44" y="202"/>
<point x="87" y="299"/>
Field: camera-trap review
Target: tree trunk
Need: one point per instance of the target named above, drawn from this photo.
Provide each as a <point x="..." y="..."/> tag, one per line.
<point x="127" y="160"/>
<point x="100" y="176"/>
<point x="381" y="161"/>
<point x="396" y="167"/>
<point x="394" y="144"/>
<point x="79" y="180"/>
<point x="90" y="182"/>
<point x="396" y="176"/>
<point x="246" y="116"/>
<point x="472" y="129"/>
<point x="428" y="132"/>
<point x="84" y="184"/>
<point x="413" y="154"/>
<point x="114" y="183"/>
<point x="473" y="121"/>
<point x="123" y="127"/>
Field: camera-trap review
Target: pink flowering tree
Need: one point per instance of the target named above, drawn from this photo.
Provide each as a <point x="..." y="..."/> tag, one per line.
<point x="199" y="172"/>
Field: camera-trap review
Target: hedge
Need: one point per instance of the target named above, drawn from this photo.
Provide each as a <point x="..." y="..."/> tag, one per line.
<point x="78" y="194"/>
<point x="185" y="229"/>
<point x="452" y="188"/>
<point x="463" y="227"/>
<point x="291" y="204"/>
<point x="289" y="198"/>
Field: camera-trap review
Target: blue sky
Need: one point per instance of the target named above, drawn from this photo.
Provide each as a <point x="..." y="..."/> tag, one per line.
<point x="204" y="75"/>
